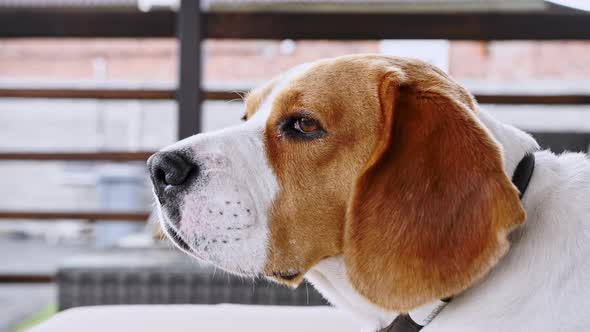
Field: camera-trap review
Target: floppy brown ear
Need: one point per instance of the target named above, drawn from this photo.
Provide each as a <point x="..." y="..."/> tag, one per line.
<point x="433" y="207"/>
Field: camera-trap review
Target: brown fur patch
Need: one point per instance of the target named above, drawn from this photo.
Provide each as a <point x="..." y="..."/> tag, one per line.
<point x="431" y="212"/>
<point x="407" y="184"/>
<point x="316" y="177"/>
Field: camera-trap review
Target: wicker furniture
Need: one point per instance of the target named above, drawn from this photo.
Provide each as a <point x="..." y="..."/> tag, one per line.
<point x="162" y="276"/>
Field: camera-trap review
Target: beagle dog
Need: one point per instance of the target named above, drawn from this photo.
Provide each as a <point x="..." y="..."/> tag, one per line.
<point x="381" y="181"/>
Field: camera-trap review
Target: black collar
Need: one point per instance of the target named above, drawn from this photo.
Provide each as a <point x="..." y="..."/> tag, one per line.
<point x="523" y="173"/>
<point x="404" y="322"/>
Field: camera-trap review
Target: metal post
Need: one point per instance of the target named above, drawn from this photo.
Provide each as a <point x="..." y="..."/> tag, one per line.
<point x="189" y="88"/>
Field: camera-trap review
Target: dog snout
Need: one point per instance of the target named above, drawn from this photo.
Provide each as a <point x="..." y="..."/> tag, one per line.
<point x="170" y="168"/>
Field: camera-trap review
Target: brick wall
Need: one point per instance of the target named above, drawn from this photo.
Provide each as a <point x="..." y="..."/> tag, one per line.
<point x="84" y="59"/>
<point x="260" y="60"/>
<point x="520" y="60"/>
<point x="155" y="60"/>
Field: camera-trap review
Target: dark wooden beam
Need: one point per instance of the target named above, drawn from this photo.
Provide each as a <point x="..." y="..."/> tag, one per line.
<point x="530" y="99"/>
<point x="51" y="93"/>
<point x="114" y="94"/>
<point x="34" y="22"/>
<point x="551" y="24"/>
<point x="168" y="94"/>
<point x="223" y="94"/>
<point x="86" y="215"/>
<point x="399" y="26"/>
<point x="188" y="95"/>
<point x="556" y="23"/>
<point x="77" y="156"/>
<point x="505" y="99"/>
<point x="26" y="278"/>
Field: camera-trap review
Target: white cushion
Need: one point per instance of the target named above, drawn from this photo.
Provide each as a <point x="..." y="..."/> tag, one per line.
<point x="199" y="318"/>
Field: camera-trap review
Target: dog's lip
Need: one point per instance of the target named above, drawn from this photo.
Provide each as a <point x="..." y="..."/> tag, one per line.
<point x="288" y="275"/>
<point x="177" y="238"/>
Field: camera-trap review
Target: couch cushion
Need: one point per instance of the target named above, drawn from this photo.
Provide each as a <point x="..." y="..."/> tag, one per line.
<point x="199" y="318"/>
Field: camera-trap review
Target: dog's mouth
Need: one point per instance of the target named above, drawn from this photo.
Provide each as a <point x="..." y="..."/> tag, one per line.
<point x="288" y="275"/>
<point x="176" y="238"/>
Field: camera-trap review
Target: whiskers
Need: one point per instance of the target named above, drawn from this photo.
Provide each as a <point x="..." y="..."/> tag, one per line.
<point x="241" y="96"/>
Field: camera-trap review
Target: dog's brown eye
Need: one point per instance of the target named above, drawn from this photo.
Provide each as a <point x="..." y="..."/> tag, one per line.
<point x="306" y="125"/>
<point x="301" y="127"/>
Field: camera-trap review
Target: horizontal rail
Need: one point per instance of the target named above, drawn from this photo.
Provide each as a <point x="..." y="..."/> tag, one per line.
<point x="51" y="93"/>
<point x="87" y="215"/>
<point x="524" y="99"/>
<point x="115" y="94"/>
<point x="217" y="94"/>
<point x="555" y="23"/>
<point x="547" y="25"/>
<point x="223" y="94"/>
<point x="33" y="22"/>
<point x="26" y="278"/>
<point x="76" y="156"/>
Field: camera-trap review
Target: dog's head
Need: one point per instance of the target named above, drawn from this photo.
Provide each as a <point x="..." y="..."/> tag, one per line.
<point x="379" y="159"/>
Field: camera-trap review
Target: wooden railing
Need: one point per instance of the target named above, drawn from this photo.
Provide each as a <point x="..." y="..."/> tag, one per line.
<point x="26" y="278"/>
<point x="85" y="215"/>
<point x="76" y="156"/>
<point x="112" y="94"/>
<point x="555" y="23"/>
<point x="169" y="94"/>
<point x="191" y="26"/>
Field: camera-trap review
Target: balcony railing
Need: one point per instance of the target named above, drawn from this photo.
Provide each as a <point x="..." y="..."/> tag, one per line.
<point x="191" y="26"/>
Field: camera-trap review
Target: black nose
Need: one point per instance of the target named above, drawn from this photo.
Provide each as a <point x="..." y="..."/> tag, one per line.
<point x="169" y="168"/>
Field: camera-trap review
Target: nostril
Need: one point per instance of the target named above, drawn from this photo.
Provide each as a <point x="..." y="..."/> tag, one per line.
<point x="176" y="171"/>
<point x="160" y="176"/>
<point x="169" y="168"/>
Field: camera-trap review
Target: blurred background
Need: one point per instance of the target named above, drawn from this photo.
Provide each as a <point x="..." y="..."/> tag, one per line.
<point x="90" y="88"/>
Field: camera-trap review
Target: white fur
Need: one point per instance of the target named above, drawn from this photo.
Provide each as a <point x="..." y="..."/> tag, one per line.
<point x="224" y="217"/>
<point x="541" y="284"/>
<point x="329" y="277"/>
